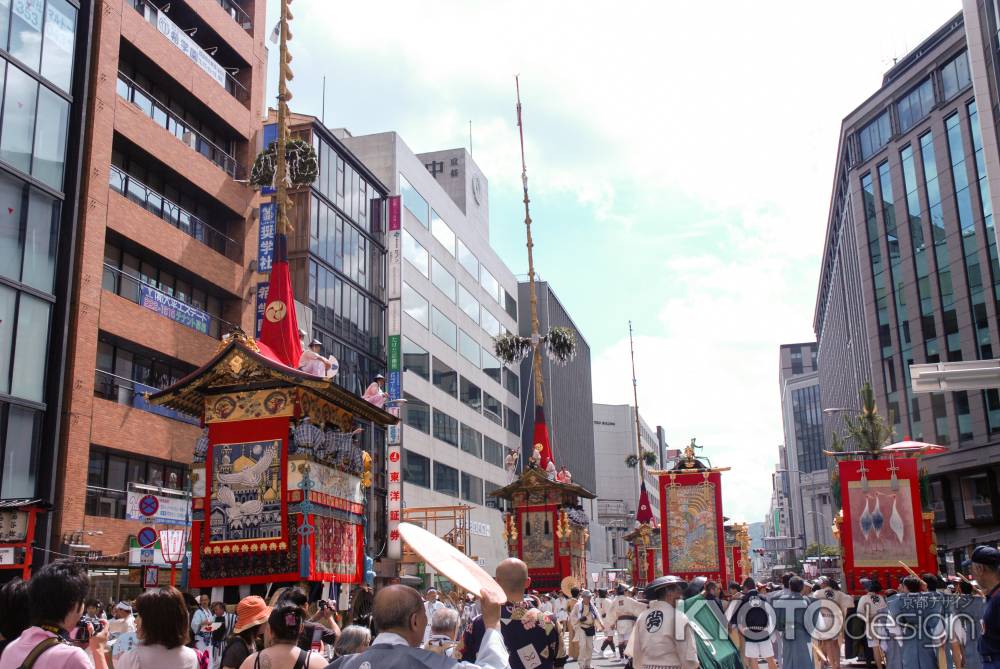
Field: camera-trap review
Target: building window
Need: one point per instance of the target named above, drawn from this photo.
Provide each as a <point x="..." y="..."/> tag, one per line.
<point x="110" y="472"/>
<point x="513" y="421"/>
<point x="468" y="260"/>
<point x="414" y="201"/>
<point x="510" y="305"/>
<point x="511" y="382"/>
<point x="442" y="233"/>
<point x="416" y="469"/>
<point x="490" y="323"/>
<point x="28" y="234"/>
<point x="445" y="428"/>
<point x="939" y="502"/>
<point x="468" y="304"/>
<point x="415" y="253"/>
<point x="416" y="359"/>
<point x="977" y="497"/>
<point x="796" y="355"/>
<point x="491" y="366"/>
<point x="874" y="136"/>
<point x="417" y="414"/>
<point x="471" y="395"/>
<point x="20" y="445"/>
<point x="24" y="331"/>
<point x="472" y="441"/>
<point x="489" y="284"/>
<point x="492" y="409"/>
<point x="493" y="451"/>
<point x="915" y="105"/>
<point x="492" y="502"/>
<point x="445" y="378"/>
<point x="443" y="328"/>
<point x="443" y="279"/>
<point x="468" y="347"/>
<point x="415" y="304"/>
<point x="472" y="488"/>
<point x="955" y="75"/>
<point x="445" y="479"/>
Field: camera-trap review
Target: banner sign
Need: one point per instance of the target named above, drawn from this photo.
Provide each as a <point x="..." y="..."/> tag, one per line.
<point x="161" y="509"/>
<point x="394" y="353"/>
<point x="269" y="135"/>
<point x="13" y="526"/>
<point x="692" y="536"/>
<point x="265" y="237"/>
<point x="175" y="310"/>
<point x="394" y="502"/>
<point x="261" y="304"/>
<point x="191" y="49"/>
<point x="394" y="436"/>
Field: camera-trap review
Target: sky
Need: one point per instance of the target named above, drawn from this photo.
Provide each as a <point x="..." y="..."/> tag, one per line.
<point x="680" y="160"/>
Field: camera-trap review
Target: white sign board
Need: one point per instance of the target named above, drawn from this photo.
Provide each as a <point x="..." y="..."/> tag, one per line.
<point x="190" y="48"/>
<point x="13" y="526"/>
<point x="6" y="556"/>
<point x="479" y="529"/>
<point x="156" y="508"/>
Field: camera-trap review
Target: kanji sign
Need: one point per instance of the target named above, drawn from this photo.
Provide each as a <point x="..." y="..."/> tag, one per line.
<point x="265" y="238"/>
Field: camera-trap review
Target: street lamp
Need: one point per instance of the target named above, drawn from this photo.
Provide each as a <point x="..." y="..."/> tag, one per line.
<point x="832" y="410"/>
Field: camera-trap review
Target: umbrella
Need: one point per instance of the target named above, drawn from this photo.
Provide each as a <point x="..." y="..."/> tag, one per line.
<point x="914" y="447"/>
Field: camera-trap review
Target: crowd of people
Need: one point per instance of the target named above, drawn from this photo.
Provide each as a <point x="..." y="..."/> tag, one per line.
<point x="929" y="622"/>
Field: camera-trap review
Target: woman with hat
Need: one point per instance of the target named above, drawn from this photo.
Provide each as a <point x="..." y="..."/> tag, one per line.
<point x="284" y="626"/>
<point x="251" y="615"/>
<point x="375" y="392"/>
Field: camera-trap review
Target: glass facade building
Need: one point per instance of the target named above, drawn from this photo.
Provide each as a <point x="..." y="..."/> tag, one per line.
<point x="44" y="50"/>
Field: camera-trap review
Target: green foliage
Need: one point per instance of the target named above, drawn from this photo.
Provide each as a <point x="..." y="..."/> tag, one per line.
<point x="868" y="431"/>
<point x="301" y="160"/>
<point x="560" y="344"/>
<point x="511" y="348"/>
<point x="648" y="459"/>
<point x="821" y="550"/>
<point x="632" y="460"/>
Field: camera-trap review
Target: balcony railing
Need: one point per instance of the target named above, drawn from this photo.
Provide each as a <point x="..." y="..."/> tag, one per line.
<point x="132" y="393"/>
<point x="156" y="110"/>
<point x="151" y="14"/>
<point x="235" y="11"/>
<point x="131" y="288"/>
<point x="153" y="202"/>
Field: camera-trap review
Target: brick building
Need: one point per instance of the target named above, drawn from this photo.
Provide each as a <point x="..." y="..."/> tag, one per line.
<point x="166" y="235"/>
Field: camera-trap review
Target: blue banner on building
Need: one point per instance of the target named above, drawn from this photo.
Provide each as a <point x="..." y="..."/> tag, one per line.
<point x="260" y="305"/>
<point x="173" y="309"/>
<point x="270" y="135"/>
<point x="265" y="237"/>
<point x="139" y="402"/>
<point x="394" y="385"/>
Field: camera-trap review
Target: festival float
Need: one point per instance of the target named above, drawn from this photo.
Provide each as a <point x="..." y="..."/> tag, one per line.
<point x="545" y="527"/>
<point x="882" y="528"/>
<point x="279" y="479"/>
<point x="692" y="536"/>
<point x="737" y="542"/>
<point x="643" y="553"/>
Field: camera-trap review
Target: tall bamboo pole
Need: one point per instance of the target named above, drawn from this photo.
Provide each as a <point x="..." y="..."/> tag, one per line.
<point x="638" y="426"/>
<point x="535" y="337"/>
<point x="284" y="95"/>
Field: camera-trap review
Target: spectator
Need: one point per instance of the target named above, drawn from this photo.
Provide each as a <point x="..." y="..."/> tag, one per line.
<point x="320" y="628"/>
<point x="284" y="627"/>
<point x="444" y="627"/>
<point x="201" y="625"/>
<point x="123" y="621"/>
<point x="14" y="611"/>
<point x="56" y="594"/>
<point x="163" y="633"/>
<point x="225" y="620"/>
<point x="251" y="616"/>
<point x="353" y="639"/>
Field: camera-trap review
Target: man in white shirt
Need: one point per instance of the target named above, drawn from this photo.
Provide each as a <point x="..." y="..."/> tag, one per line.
<point x="123" y="620"/>
<point x="401" y="616"/>
<point x="201" y="624"/>
<point x="431" y="605"/>
<point x="663" y="635"/>
<point x="313" y="362"/>
<point x="624" y="611"/>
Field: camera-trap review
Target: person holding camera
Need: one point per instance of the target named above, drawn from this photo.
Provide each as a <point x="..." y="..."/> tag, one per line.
<point x="56" y="594"/>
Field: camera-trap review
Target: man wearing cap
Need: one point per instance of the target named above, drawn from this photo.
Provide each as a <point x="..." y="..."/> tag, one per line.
<point x="624" y="612"/>
<point x="986" y="571"/>
<point x="312" y="361"/>
<point x="586" y="621"/>
<point x="123" y="620"/>
<point x="663" y="636"/>
<point x="375" y="392"/>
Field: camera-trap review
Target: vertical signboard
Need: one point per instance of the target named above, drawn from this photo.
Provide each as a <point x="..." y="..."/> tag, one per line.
<point x="265" y="237"/>
<point x="269" y="137"/>
<point x="394" y="447"/>
<point x="261" y="303"/>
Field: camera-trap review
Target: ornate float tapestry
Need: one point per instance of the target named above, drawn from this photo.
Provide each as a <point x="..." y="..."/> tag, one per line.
<point x="692" y="521"/>
<point x="882" y="519"/>
<point x="338" y="549"/>
<point x="537" y="539"/>
<point x="246" y="498"/>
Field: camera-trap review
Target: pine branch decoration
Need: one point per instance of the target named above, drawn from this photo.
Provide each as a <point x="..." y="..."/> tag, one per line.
<point x="303" y="167"/>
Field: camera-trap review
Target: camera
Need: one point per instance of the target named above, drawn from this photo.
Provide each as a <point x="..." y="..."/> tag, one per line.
<point x="322" y="604"/>
<point x="83" y="634"/>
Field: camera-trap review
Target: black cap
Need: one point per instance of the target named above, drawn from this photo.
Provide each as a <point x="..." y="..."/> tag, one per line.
<point x="986" y="555"/>
<point x="658" y="584"/>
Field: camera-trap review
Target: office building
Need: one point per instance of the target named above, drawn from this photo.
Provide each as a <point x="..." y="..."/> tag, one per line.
<point x="44" y="80"/>
<point x="462" y="410"/>
<point x="779" y="541"/>
<point x="567" y="391"/>
<point x="617" y="486"/>
<point x="808" y="469"/>
<point x="910" y="272"/>
<point x="165" y="239"/>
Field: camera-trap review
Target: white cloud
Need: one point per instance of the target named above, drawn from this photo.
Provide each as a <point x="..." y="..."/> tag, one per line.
<point x="631" y="107"/>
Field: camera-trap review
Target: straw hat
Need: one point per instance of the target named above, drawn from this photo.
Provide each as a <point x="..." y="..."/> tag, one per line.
<point x="251" y="611"/>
